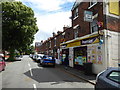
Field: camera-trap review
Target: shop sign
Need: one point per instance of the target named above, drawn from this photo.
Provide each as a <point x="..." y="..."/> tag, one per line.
<point x="90" y="41"/>
<point x="72" y="44"/>
<point x="88" y="16"/>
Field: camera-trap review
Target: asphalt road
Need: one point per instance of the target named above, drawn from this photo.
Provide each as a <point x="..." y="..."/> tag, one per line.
<point x="29" y="74"/>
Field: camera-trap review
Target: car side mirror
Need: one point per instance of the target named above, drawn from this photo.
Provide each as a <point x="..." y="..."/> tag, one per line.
<point x="119" y="64"/>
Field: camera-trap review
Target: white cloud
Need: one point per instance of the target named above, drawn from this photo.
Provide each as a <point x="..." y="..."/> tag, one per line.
<point x="50" y="22"/>
<point x="47" y="5"/>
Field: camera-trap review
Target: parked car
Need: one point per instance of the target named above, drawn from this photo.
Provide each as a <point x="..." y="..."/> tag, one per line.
<point x="48" y="61"/>
<point x="18" y="57"/>
<point x="1" y="55"/>
<point x="108" y="79"/>
<point x="39" y="57"/>
<point x="34" y="57"/>
<point x="31" y="55"/>
<point x="2" y="64"/>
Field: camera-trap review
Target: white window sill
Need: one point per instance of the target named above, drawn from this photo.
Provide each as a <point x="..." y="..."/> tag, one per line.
<point x="75" y="17"/>
<point x="92" y="5"/>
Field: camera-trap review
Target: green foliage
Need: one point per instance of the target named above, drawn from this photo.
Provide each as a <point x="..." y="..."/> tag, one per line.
<point x="7" y="0"/>
<point x="18" y="26"/>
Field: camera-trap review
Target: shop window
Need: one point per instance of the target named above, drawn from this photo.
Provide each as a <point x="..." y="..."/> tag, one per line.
<point x="80" y="55"/>
<point x="94" y="26"/>
<point x="75" y="13"/>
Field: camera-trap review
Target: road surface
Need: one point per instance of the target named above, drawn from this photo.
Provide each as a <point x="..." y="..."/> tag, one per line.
<point x="29" y="74"/>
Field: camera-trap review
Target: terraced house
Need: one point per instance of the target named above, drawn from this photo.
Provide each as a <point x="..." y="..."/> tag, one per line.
<point x="93" y="36"/>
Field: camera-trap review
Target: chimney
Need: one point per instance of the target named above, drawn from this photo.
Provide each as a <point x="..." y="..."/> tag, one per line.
<point x="54" y="34"/>
<point x="58" y="32"/>
<point x="65" y="27"/>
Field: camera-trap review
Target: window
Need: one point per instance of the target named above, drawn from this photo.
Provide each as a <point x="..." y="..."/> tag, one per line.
<point x="76" y="29"/>
<point x="94" y="26"/>
<point x="55" y="42"/>
<point x="92" y="3"/>
<point x="1" y="59"/>
<point x="75" y="13"/>
<point x="75" y="33"/>
<point x="50" y="44"/>
<point x="114" y="76"/>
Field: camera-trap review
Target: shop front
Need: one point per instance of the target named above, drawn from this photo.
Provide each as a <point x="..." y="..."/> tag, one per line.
<point x="65" y="57"/>
<point x="80" y="57"/>
<point x="85" y="50"/>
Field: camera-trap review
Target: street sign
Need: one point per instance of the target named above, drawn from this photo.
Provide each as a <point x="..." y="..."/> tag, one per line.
<point x="88" y="16"/>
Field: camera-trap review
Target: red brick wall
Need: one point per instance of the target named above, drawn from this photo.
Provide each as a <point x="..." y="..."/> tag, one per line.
<point x="85" y="26"/>
<point x="69" y="34"/>
<point x="113" y="24"/>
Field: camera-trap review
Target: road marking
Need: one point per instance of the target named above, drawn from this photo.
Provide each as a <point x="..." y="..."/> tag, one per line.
<point x="31" y="72"/>
<point x="34" y="86"/>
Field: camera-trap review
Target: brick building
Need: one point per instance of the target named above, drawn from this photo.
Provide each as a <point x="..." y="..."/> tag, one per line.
<point x="96" y="33"/>
<point x="93" y="36"/>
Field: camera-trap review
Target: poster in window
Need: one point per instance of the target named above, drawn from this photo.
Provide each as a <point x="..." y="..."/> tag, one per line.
<point x="79" y="60"/>
<point x="84" y="59"/>
<point x="94" y="54"/>
<point x="99" y="54"/>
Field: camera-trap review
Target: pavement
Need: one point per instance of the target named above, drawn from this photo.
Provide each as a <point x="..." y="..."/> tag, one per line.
<point x="79" y="74"/>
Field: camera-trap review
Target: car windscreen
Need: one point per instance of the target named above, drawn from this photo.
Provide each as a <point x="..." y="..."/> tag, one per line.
<point x="18" y="56"/>
<point x="114" y="76"/>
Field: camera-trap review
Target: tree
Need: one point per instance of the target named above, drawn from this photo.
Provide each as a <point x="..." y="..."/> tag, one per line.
<point x="7" y="0"/>
<point x="18" y="26"/>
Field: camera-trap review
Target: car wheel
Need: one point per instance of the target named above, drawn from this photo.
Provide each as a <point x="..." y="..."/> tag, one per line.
<point x="40" y="63"/>
<point x="3" y="69"/>
<point x="53" y="65"/>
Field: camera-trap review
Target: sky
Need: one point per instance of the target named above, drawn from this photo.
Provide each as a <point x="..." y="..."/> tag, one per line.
<point x="52" y="16"/>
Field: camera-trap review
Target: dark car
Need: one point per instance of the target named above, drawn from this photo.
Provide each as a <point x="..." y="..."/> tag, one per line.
<point x="108" y="79"/>
<point x="48" y="61"/>
<point x="18" y="57"/>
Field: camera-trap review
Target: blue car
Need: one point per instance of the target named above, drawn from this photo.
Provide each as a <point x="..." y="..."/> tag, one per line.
<point x="48" y="61"/>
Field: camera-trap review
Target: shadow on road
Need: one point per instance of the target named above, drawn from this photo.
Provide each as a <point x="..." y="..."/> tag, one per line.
<point x="47" y="74"/>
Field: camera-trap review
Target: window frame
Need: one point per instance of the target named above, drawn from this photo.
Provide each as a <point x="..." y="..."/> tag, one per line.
<point x="54" y="41"/>
<point x="75" y="13"/>
<point x="94" y="24"/>
<point x="94" y="3"/>
<point x="76" y="33"/>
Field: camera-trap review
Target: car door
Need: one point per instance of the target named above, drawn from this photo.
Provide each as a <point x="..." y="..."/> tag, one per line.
<point x="114" y="79"/>
<point x="109" y="79"/>
<point x="2" y="64"/>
